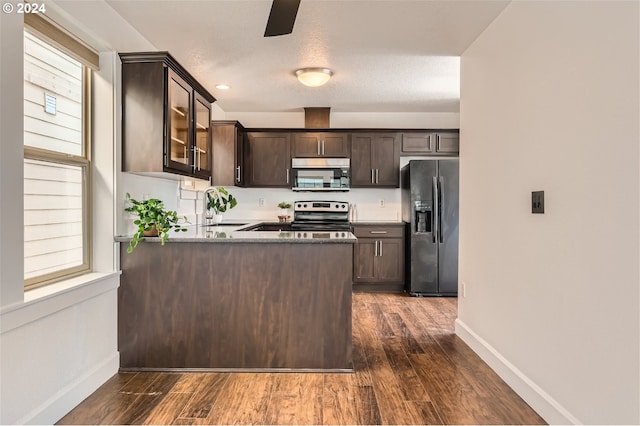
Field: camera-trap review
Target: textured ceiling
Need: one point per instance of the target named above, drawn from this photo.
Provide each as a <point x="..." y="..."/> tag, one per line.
<point x="387" y="56"/>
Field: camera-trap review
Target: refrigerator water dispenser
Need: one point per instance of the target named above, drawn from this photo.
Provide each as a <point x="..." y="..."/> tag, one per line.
<point x="423" y="216"/>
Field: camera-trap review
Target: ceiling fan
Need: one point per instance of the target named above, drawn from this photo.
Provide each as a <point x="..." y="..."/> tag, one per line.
<point x="282" y="17"/>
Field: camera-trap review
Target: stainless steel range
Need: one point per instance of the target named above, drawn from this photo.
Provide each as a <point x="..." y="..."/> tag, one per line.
<point x="321" y="216"/>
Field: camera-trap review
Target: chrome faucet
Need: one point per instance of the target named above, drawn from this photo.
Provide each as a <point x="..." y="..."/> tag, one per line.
<point x="206" y="220"/>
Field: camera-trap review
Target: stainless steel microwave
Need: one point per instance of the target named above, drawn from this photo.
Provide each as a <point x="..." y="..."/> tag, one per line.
<point x="320" y="174"/>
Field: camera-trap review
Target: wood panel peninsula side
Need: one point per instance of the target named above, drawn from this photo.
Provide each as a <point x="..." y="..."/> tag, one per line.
<point x="236" y="304"/>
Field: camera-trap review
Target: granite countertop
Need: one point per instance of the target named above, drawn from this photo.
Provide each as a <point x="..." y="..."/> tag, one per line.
<point x="231" y="232"/>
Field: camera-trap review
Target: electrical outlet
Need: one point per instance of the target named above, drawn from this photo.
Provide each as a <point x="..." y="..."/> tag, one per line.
<point x="260" y="202"/>
<point x="382" y="203"/>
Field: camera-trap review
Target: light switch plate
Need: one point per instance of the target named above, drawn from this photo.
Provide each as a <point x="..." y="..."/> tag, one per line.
<point x="537" y="202"/>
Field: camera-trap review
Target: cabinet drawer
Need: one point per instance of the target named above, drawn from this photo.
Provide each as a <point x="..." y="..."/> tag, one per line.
<point x="378" y="231"/>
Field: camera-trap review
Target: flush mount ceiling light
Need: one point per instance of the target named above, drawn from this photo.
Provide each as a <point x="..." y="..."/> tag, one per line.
<point x="314" y="77"/>
<point x="223" y="86"/>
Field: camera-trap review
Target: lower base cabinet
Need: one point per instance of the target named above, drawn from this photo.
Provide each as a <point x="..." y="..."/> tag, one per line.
<point x="378" y="258"/>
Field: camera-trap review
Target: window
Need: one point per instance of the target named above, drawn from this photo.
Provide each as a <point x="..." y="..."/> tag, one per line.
<point x="57" y="166"/>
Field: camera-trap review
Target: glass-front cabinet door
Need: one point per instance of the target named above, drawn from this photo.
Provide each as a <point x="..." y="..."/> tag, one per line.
<point x="178" y="150"/>
<point x="202" y="148"/>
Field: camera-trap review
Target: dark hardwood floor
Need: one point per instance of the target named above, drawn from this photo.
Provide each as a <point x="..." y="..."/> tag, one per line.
<point x="410" y="368"/>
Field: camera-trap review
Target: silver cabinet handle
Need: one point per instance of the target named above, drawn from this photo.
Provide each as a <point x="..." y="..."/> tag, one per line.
<point x="375" y="251"/>
<point x="318" y="147"/>
<point x="380" y="248"/>
<point x="377" y="176"/>
<point x="377" y="232"/>
<point x="238" y="174"/>
<point x="373" y="176"/>
<point x="287" y="176"/>
<point x="322" y="146"/>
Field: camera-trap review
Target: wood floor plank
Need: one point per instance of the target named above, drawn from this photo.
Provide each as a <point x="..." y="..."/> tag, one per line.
<point x="367" y="406"/>
<point x="147" y="400"/>
<point x="406" y="376"/>
<point x="389" y="394"/>
<point x="338" y="400"/>
<point x="206" y="393"/>
<point x="247" y="399"/>
<point x="165" y="412"/>
<point x="100" y="403"/>
<point x="296" y="398"/>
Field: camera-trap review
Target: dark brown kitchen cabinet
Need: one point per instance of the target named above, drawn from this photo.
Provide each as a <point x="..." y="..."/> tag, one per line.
<point x="268" y="159"/>
<point x="375" y="160"/>
<point x="165" y="117"/>
<point x="228" y="153"/>
<point x="322" y="144"/>
<point x="431" y="143"/>
<point x="378" y="258"/>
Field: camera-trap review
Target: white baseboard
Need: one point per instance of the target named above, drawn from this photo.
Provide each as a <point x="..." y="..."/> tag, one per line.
<point x="547" y="407"/>
<point x="73" y="394"/>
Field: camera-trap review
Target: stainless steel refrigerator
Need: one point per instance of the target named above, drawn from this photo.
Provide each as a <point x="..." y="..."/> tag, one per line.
<point x="430" y="192"/>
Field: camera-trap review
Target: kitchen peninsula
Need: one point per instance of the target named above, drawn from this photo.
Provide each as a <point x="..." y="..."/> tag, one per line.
<point x="226" y="299"/>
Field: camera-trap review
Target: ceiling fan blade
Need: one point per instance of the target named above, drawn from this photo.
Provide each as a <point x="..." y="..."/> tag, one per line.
<point x="282" y="17"/>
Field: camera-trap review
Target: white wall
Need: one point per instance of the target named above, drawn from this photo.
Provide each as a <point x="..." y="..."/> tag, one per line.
<point x="550" y="102"/>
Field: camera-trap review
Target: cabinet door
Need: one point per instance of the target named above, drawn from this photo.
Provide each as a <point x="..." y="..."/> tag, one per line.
<point x="269" y="159"/>
<point x="306" y="145"/>
<point x="389" y="262"/>
<point x="335" y="145"/>
<point x="418" y="142"/>
<point x="448" y="142"/>
<point x="202" y="152"/>
<point x="312" y="145"/>
<point x="363" y="260"/>
<point x="361" y="167"/>
<point x="386" y="160"/>
<point x="177" y="148"/>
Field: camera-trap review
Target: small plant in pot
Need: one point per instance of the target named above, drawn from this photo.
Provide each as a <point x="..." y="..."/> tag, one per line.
<point x="153" y="220"/>
<point x="284" y="211"/>
<point x="219" y="200"/>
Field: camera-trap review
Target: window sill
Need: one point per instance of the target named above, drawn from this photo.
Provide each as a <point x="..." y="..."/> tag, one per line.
<point x="46" y="300"/>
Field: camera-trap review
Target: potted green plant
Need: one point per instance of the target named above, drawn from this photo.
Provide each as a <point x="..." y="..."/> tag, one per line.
<point x="153" y="220"/>
<point x="284" y="211"/>
<point x="219" y="200"/>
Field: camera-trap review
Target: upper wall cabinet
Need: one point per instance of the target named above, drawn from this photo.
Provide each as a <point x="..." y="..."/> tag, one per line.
<point x="165" y="117"/>
<point x="228" y="153"/>
<point x="430" y="143"/>
<point x="375" y="160"/>
<point x="323" y="144"/>
<point x="267" y="159"/>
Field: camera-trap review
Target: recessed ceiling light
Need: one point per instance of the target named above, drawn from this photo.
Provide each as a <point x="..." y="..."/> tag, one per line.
<point x="223" y="86"/>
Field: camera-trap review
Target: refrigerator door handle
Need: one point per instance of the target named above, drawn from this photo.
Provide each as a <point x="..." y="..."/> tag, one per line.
<point x="441" y="207"/>
<point x="435" y="217"/>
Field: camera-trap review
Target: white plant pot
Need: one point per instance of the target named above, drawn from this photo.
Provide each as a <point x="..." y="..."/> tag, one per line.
<point x="217" y="218"/>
